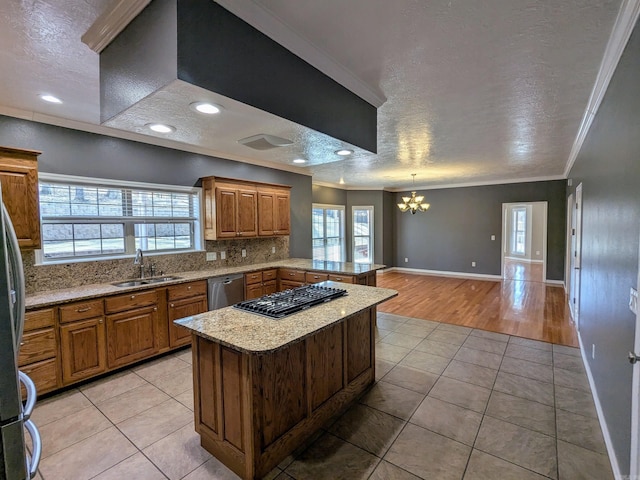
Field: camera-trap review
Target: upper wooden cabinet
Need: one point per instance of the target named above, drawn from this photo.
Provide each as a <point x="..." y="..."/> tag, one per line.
<point x="274" y="212"/>
<point x="19" y="178"/>
<point x="236" y="208"/>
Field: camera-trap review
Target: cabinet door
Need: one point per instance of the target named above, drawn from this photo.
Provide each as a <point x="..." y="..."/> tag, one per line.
<point x="253" y="291"/>
<point x="266" y="213"/>
<point x="270" y="287"/>
<point x="247" y="213"/>
<point x="19" y="180"/>
<point x="226" y="215"/>
<point x="131" y="336"/>
<point x="180" y="309"/>
<point x="283" y="213"/>
<point x="83" y="349"/>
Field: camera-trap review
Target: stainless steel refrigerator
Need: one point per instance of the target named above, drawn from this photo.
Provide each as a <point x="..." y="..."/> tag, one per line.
<point x="17" y="462"/>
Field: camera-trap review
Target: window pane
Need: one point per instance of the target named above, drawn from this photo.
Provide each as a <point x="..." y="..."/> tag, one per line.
<point x="361" y="250"/>
<point x="333" y="250"/>
<point x="318" y="223"/>
<point x="361" y="222"/>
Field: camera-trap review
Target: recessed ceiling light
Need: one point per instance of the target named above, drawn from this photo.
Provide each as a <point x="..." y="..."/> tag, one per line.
<point x="299" y="160"/>
<point x="50" y="99"/>
<point x="344" y="152"/>
<point x="160" y="127"/>
<point x="206" y="107"/>
<point x="341" y="182"/>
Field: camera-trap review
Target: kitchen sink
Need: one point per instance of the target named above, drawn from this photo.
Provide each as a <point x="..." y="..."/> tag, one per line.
<point x="145" y="281"/>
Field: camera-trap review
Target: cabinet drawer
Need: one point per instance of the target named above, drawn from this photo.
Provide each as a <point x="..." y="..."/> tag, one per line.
<point x="36" y="346"/>
<point x="186" y="290"/>
<point x="269" y="275"/>
<point x="292" y="275"/>
<point x="288" y="284"/>
<point x="251" y="278"/>
<point x="342" y="278"/>
<point x="44" y="374"/>
<point x="313" y="277"/>
<point x="80" y="311"/>
<point x="39" y="319"/>
<point x="128" y="301"/>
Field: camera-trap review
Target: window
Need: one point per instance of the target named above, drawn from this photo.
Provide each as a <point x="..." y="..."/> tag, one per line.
<point x="91" y="218"/>
<point x="519" y="230"/>
<point x="362" y="234"/>
<point x="328" y="232"/>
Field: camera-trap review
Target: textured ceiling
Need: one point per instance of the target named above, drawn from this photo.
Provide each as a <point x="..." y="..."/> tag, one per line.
<point x="477" y="92"/>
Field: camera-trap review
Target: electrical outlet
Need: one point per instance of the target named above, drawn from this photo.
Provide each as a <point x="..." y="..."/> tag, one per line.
<point x="493" y="237"/>
<point x="538" y="252"/>
<point x="273" y="249"/>
<point x="473" y="264"/>
<point x="211" y="256"/>
<point x="593" y="351"/>
<point x="223" y="255"/>
<point x="244" y="252"/>
<point x="406" y="260"/>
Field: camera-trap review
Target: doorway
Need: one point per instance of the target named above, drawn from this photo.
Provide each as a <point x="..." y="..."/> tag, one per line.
<point x="575" y="257"/>
<point x="524" y="241"/>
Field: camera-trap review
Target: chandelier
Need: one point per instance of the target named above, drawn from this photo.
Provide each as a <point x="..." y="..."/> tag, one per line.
<point x="413" y="203"/>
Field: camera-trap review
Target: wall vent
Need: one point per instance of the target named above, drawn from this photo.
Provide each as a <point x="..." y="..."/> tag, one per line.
<point x="263" y="141"/>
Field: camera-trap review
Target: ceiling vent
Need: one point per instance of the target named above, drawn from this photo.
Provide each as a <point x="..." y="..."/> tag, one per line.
<point x="263" y="141"/>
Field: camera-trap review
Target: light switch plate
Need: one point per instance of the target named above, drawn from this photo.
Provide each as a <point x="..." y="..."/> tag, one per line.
<point x="493" y="237"/>
<point x="211" y="256"/>
<point x="223" y="255"/>
<point x="244" y="252"/>
<point x="273" y="249"/>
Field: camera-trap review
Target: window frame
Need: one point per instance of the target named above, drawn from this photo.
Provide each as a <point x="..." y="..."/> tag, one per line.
<point x="369" y="208"/>
<point x="516" y="211"/>
<point x="128" y="221"/>
<point x="341" y="237"/>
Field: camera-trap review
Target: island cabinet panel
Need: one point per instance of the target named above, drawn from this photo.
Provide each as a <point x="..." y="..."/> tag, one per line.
<point x="206" y="384"/>
<point x="325" y="365"/>
<point x="359" y="344"/>
<point x="231" y="397"/>
<point x="282" y="396"/>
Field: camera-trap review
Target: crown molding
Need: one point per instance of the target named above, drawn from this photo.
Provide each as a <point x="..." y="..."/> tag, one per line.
<point x="267" y="23"/>
<point x="622" y="29"/>
<point x="478" y="184"/>
<point x="138" y="137"/>
<point x="111" y="22"/>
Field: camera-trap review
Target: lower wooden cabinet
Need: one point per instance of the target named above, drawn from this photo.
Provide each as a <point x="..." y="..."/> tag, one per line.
<point x="83" y="349"/>
<point x="131" y="336"/>
<point x="184" y="300"/>
<point x="39" y="350"/>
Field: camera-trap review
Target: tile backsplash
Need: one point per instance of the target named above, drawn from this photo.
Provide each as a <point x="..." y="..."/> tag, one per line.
<point x="40" y="278"/>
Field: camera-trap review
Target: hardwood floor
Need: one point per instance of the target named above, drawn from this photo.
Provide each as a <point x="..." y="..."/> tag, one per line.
<point x="516" y="270"/>
<point x="515" y="307"/>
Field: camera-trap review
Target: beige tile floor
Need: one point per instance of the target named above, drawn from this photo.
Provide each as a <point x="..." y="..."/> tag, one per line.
<point x="449" y="403"/>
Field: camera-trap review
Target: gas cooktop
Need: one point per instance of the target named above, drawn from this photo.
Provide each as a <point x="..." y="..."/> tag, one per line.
<point x="288" y="302"/>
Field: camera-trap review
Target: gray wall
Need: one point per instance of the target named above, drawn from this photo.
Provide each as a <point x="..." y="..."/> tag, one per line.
<point x="73" y="152"/>
<point x="389" y="228"/>
<point x="457" y="229"/>
<point x="328" y="195"/>
<point x="608" y="167"/>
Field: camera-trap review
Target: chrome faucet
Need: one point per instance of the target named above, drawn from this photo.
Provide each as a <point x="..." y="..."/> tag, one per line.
<point x="139" y="260"/>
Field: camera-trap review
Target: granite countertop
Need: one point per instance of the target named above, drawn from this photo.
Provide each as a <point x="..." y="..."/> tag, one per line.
<point x="251" y="333"/>
<point x="84" y="292"/>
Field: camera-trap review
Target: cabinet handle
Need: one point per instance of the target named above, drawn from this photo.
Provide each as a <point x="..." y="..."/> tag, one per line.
<point x="132" y="297"/>
<point x="189" y="288"/>
<point x="100" y="321"/>
<point x="338" y="279"/>
<point x="172" y="305"/>
<point x="22" y="344"/>
<point x="82" y="310"/>
<point x="316" y="276"/>
<point x="240" y="233"/>
<point x="155" y="309"/>
<point x="292" y="274"/>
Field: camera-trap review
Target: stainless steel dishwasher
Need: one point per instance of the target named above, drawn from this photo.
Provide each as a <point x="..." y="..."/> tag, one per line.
<point x="225" y="291"/>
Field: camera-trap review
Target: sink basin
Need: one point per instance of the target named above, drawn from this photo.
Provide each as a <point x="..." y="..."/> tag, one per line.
<point x="145" y="281"/>
<point x="167" y="278"/>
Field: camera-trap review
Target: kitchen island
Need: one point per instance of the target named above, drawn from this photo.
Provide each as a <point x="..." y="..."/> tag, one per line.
<point x="263" y="386"/>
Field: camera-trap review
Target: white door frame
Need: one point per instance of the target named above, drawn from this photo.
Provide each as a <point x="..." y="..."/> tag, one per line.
<point x="506" y="233"/>
<point x="576" y="258"/>
<point x="635" y="401"/>
<point x="568" y="256"/>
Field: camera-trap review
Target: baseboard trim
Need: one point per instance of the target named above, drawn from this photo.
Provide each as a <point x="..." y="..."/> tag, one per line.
<point x="443" y="273"/>
<point x="523" y="259"/>
<point x="555" y="282"/>
<point x="603" y="424"/>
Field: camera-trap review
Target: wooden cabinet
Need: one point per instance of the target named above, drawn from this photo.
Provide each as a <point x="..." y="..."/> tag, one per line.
<point x="315" y="277"/>
<point x="131" y="327"/>
<point x="236" y="208"/>
<point x="258" y="284"/>
<point x="39" y="350"/>
<point x="342" y="278"/>
<point x="185" y="300"/>
<point x="82" y="340"/>
<point x="19" y="179"/>
<point x="274" y="212"/>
